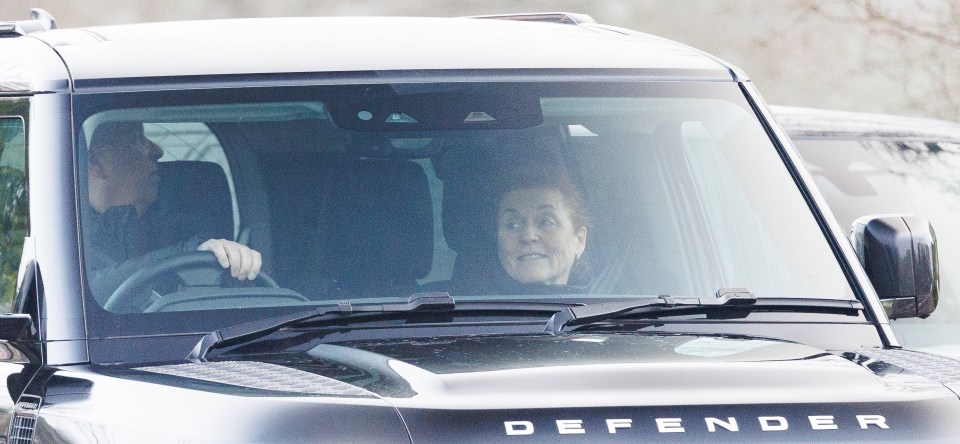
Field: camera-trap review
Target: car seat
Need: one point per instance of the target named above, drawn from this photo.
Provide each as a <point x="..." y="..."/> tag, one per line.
<point x="349" y="227"/>
<point x="198" y="194"/>
<point x="381" y="227"/>
<point x="470" y="171"/>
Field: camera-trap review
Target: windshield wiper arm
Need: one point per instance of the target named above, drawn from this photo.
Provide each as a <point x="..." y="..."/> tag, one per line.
<point x="249" y="331"/>
<point x="726" y="298"/>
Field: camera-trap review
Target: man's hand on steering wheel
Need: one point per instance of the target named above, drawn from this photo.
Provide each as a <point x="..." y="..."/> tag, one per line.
<point x="244" y="262"/>
<point x="129" y="296"/>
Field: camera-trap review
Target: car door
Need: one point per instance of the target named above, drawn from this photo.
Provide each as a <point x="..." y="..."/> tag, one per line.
<point x="17" y="272"/>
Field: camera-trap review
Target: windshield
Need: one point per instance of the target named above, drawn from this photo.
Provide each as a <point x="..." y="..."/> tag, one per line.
<point x="861" y="177"/>
<point x="371" y="193"/>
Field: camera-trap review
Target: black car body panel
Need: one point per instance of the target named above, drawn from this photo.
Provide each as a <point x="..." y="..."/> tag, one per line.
<point x="528" y="388"/>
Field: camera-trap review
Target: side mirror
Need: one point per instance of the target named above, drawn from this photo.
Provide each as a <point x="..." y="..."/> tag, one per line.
<point x="14" y="326"/>
<point x="899" y="254"/>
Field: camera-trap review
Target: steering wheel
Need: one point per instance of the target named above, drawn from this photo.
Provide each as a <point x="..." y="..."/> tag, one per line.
<point x="137" y="282"/>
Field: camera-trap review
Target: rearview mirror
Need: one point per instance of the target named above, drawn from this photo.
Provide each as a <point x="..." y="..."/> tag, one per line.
<point x="899" y="254"/>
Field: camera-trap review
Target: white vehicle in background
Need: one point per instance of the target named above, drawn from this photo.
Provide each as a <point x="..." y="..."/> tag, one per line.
<point x="876" y="164"/>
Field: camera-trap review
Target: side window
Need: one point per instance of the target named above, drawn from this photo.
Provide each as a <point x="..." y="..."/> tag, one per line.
<point x="14" y="208"/>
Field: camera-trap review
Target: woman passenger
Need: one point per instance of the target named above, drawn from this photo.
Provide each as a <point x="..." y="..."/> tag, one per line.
<point x="541" y="228"/>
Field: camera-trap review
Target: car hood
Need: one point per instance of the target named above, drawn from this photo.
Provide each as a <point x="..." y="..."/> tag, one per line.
<point x="635" y="386"/>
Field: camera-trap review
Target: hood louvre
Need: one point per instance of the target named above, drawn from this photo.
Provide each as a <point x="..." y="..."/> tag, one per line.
<point x="941" y="369"/>
<point x="260" y="375"/>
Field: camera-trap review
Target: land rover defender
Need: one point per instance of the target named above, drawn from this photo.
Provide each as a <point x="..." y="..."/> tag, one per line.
<point x="523" y="228"/>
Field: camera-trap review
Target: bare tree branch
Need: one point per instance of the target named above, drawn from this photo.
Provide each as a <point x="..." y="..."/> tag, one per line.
<point x="877" y="16"/>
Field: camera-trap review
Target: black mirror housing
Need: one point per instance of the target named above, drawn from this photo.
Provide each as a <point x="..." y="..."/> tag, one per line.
<point x="899" y="254"/>
<point x="15" y="326"/>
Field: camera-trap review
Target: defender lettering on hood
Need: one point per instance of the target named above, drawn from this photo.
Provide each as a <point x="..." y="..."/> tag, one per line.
<point x="676" y="425"/>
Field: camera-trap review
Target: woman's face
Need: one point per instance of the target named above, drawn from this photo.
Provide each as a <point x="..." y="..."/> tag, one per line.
<point x="536" y="237"/>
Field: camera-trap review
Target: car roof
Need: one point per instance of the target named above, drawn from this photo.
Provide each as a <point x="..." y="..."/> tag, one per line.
<point x="362" y="44"/>
<point x="812" y="123"/>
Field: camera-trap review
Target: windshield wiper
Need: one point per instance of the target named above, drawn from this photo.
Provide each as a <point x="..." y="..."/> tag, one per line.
<point x="726" y="298"/>
<point x="249" y="331"/>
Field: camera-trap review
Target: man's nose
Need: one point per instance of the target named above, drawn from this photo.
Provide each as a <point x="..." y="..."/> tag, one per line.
<point x="155" y="151"/>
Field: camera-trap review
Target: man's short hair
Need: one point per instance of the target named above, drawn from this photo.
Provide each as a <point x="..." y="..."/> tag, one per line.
<point x="111" y="135"/>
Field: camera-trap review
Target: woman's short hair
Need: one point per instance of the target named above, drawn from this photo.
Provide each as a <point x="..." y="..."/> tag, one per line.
<point x="548" y="177"/>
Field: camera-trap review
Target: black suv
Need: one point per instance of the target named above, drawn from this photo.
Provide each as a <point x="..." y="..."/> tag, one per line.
<point x="491" y="229"/>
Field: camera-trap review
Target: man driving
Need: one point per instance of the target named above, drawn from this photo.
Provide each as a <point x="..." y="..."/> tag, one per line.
<point x="128" y="228"/>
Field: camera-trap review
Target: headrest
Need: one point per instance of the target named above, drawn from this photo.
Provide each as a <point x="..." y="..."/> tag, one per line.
<point x="381" y="219"/>
<point x="199" y="192"/>
<point x="471" y="173"/>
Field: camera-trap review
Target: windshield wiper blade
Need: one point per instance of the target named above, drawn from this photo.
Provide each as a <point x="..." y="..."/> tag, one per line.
<point x="224" y="337"/>
<point x="725" y="298"/>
